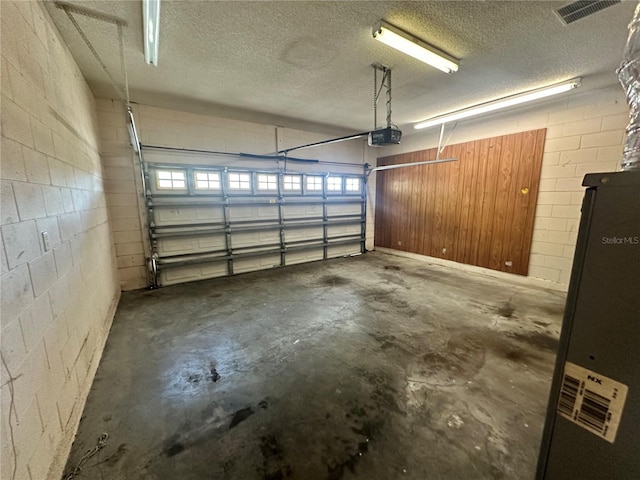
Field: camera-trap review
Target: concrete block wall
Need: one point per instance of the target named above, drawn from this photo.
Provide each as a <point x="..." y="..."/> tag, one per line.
<point x="58" y="299"/>
<point x="585" y="133"/>
<point x="171" y="128"/>
<point x="124" y="194"/>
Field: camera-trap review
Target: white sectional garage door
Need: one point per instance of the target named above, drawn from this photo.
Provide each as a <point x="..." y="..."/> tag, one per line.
<point x="214" y="216"/>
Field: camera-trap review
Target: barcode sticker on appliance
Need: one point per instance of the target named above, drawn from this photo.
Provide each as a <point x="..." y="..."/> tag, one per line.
<point x="592" y="401"/>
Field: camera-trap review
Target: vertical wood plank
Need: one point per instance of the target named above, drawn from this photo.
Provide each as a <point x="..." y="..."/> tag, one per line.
<point x="514" y="212"/>
<point x="536" y="167"/>
<point x="405" y="195"/>
<point x="427" y="188"/>
<point x="477" y="204"/>
<point x="488" y="201"/>
<point x="512" y="248"/>
<point x="467" y="165"/>
<point x="429" y="197"/>
<point x="419" y="177"/>
<point x="413" y="204"/>
<point x="438" y="207"/>
<point x="451" y="213"/>
<point x="501" y="207"/>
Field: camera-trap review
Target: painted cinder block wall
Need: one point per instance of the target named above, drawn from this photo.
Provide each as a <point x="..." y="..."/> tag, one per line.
<point x="123" y="193"/>
<point x="585" y="133"/>
<point x="57" y="302"/>
<point x="172" y="128"/>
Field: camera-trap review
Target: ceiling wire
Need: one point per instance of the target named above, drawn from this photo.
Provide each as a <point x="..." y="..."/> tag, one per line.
<point x="386" y="82"/>
<point x="123" y="66"/>
<point x="88" y="12"/>
<point x="387" y="75"/>
<point x="375" y="98"/>
<point x="123" y="93"/>
<point x="377" y="91"/>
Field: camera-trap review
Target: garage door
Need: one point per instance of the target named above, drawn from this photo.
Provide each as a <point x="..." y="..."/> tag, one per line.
<point x="224" y="215"/>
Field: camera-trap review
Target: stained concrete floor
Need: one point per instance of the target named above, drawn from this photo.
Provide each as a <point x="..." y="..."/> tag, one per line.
<point x="373" y="367"/>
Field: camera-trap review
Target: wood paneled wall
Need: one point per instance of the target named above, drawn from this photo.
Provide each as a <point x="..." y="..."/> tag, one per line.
<point x="478" y="210"/>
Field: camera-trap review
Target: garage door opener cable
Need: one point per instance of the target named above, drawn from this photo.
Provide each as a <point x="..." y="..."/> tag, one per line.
<point x="68" y="9"/>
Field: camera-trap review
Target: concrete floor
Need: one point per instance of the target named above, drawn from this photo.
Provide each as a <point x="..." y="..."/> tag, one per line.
<point x="373" y="367"/>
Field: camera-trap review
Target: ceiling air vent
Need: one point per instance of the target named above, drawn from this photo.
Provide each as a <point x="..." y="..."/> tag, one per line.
<point x="582" y="8"/>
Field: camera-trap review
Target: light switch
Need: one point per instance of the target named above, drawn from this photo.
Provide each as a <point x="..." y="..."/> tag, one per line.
<point x="45" y="241"/>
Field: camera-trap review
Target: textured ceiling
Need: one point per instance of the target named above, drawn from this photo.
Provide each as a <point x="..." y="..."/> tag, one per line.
<point x="308" y="64"/>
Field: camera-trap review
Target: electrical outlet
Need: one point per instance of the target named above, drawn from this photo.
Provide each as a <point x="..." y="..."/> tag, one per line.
<point x="45" y="241"/>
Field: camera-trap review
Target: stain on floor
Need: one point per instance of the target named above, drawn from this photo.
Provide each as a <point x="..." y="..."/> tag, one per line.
<point x="375" y="367"/>
<point x="240" y="416"/>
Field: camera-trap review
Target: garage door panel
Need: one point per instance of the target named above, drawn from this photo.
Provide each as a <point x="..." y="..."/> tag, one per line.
<point x="304" y="256"/>
<point x="299" y="234"/>
<point x="337" y="230"/>
<point x="187" y="215"/>
<point x="252" y="264"/>
<point x="344" y="209"/>
<point x="258" y="239"/>
<point x="173" y="275"/>
<point x="302" y="211"/>
<point x="168" y="246"/>
<point x="252" y="212"/>
<point x="190" y="273"/>
<point x="182" y="245"/>
<point x="217" y="269"/>
<point x="211" y="242"/>
<point x="341" y="250"/>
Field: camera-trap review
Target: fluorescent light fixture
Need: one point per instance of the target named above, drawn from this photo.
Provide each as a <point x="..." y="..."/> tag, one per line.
<point x="500" y="103"/>
<point x="406" y="43"/>
<point x="151" y="27"/>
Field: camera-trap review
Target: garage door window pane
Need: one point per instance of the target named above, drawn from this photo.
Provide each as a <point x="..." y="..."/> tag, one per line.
<point x="267" y="182"/>
<point x="352" y="184"/>
<point x="207" y="180"/>
<point x="171" y="179"/>
<point x="334" y="184"/>
<point x="292" y="182"/>
<point x="240" y="181"/>
<point x="314" y="184"/>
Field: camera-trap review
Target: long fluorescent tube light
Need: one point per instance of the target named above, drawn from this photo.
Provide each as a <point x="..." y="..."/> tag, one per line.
<point x="151" y="21"/>
<point x="500" y="103"/>
<point x="406" y="43"/>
